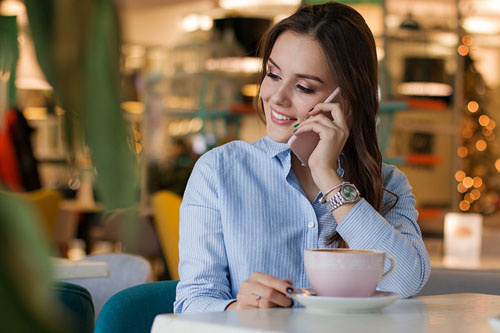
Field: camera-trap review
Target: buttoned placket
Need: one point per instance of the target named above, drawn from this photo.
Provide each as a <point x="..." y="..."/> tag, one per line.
<point x="310" y="221"/>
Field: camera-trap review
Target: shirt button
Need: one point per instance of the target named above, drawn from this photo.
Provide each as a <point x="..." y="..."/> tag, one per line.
<point x="311" y="225"/>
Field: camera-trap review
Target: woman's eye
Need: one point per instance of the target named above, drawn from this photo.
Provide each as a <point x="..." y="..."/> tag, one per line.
<point x="273" y="76"/>
<point x="306" y="90"/>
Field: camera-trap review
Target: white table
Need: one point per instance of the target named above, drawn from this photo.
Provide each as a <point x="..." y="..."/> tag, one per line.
<point x="66" y="269"/>
<point x="444" y="313"/>
<point x="485" y="263"/>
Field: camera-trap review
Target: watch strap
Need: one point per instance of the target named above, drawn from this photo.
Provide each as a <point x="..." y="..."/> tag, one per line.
<point x="323" y="198"/>
<point x="335" y="201"/>
<point x="338" y="198"/>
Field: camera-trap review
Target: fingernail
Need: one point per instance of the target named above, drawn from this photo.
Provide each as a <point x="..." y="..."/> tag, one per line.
<point x="295" y="130"/>
<point x="311" y="109"/>
<point x="289" y="290"/>
<point x="297" y="124"/>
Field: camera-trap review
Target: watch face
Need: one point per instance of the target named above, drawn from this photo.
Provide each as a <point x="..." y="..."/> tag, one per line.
<point x="349" y="192"/>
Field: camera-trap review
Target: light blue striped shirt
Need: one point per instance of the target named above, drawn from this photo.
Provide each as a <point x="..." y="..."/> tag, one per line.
<point x="243" y="211"/>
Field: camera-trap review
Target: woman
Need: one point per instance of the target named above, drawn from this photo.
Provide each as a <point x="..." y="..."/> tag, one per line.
<point x="250" y="209"/>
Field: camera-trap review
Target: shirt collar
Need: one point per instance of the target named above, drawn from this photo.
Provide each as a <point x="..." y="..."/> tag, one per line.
<point x="282" y="151"/>
<point x="274" y="148"/>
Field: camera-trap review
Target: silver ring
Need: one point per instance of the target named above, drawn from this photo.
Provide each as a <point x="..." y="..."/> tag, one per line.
<point x="257" y="297"/>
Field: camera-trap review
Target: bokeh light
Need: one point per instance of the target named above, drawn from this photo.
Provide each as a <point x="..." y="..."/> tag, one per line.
<point x="464" y="206"/>
<point x="467" y="40"/>
<point x="481" y="145"/>
<point x="472" y="106"/>
<point x="462" y="152"/>
<point x="484" y="120"/>
<point x="468" y="182"/>
<point x="460" y="175"/>
<point x="477" y="182"/>
<point x="491" y="125"/>
<point x="463" y="50"/>
<point x="475" y="194"/>
<point x="461" y="188"/>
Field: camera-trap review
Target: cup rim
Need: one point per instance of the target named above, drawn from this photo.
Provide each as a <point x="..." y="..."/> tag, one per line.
<point x="353" y="251"/>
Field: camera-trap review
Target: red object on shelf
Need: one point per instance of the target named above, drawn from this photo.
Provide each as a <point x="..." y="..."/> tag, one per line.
<point x="423" y="159"/>
<point x="10" y="174"/>
<point x="242" y="108"/>
<point x="429" y="213"/>
<point x="426" y="103"/>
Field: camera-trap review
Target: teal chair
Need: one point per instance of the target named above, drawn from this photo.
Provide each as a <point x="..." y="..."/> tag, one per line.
<point x="77" y="305"/>
<point x="134" y="309"/>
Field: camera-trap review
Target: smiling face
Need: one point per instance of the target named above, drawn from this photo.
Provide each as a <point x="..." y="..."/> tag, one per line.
<point x="298" y="78"/>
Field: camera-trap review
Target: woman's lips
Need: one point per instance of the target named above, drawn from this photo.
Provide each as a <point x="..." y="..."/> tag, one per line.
<point x="281" y="119"/>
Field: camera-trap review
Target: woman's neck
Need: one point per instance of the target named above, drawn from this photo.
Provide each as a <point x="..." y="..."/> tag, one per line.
<point x="305" y="179"/>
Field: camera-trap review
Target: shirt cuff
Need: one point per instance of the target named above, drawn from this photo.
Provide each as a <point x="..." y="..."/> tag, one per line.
<point x="218" y="304"/>
<point x="355" y="230"/>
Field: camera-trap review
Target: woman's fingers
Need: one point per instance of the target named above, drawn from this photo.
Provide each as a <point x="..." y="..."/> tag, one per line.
<point x="328" y="120"/>
<point x="282" y="286"/>
<point x="270" y="297"/>
<point x="289" y="282"/>
<point x="326" y="131"/>
<point x="332" y="111"/>
<point x="246" y="300"/>
<point x="265" y="291"/>
<point x="322" y="119"/>
<point x="333" y="137"/>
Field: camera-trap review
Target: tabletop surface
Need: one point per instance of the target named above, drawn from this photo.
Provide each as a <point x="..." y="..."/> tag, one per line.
<point x="441" y="313"/>
<point x="65" y="269"/>
<point x="85" y="207"/>
<point x="483" y="263"/>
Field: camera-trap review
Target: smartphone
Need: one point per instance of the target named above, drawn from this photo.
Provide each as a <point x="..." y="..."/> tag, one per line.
<point x="303" y="145"/>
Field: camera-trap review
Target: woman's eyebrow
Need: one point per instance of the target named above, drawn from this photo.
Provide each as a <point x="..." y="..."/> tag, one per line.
<point x="304" y="76"/>
<point x="273" y="63"/>
<point x="311" y="77"/>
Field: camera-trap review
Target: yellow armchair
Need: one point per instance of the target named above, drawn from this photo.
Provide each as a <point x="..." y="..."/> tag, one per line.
<point x="166" y="206"/>
<point x="46" y="202"/>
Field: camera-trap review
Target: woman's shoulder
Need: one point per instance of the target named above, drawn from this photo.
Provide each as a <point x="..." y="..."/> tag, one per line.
<point x="399" y="189"/>
<point x="233" y="152"/>
<point x="237" y="149"/>
<point x="393" y="177"/>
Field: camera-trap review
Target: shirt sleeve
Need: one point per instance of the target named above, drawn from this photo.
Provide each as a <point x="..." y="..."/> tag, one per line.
<point x="397" y="233"/>
<point x="203" y="268"/>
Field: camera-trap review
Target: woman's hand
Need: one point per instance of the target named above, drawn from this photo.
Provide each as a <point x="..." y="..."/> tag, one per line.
<point x="263" y="291"/>
<point x="333" y="135"/>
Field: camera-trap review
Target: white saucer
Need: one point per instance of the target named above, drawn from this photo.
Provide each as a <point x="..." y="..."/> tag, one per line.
<point x="346" y="304"/>
<point x="495" y="324"/>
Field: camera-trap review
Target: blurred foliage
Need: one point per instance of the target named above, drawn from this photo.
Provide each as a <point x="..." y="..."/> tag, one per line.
<point x="78" y="47"/>
<point x="8" y="55"/>
<point x="25" y="270"/>
<point x="77" y="44"/>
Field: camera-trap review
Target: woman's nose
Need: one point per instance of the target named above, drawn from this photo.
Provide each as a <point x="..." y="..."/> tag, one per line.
<point x="281" y="97"/>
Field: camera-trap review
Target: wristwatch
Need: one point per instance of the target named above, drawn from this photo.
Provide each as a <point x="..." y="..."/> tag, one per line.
<point x="348" y="194"/>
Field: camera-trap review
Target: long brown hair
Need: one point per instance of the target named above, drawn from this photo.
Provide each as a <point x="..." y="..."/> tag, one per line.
<point x="350" y="49"/>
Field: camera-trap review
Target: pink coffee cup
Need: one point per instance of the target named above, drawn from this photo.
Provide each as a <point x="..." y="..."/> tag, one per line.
<point x="346" y="272"/>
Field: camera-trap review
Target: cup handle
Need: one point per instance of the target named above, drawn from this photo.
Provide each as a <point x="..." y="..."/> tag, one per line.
<point x="393" y="265"/>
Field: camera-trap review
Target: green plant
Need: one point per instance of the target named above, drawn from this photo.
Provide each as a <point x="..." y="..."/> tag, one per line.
<point x="78" y="48"/>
